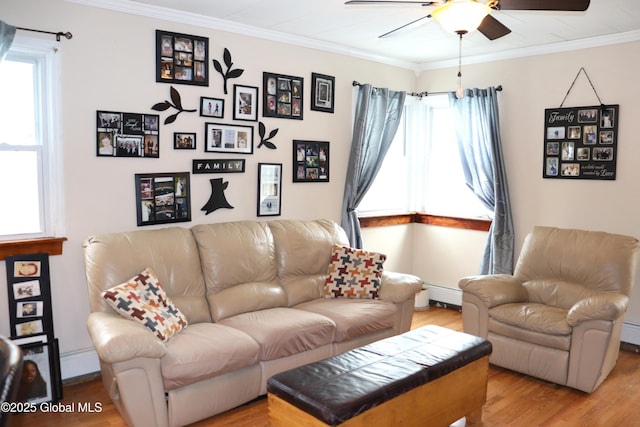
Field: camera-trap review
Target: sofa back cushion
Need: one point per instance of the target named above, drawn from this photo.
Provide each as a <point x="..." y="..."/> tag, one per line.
<point x="111" y="259"/>
<point x="239" y="267"/>
<point x="303" y="253"/>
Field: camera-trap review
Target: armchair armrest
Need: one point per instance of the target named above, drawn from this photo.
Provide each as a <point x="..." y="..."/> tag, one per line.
<point x="117" y="339"/>
<point x="496" y="289"/>
<point x="399" y="287"/>
<point x="606" y="306"/>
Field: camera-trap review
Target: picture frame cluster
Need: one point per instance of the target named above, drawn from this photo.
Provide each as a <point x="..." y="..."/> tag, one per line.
<point x="182" y="58"/>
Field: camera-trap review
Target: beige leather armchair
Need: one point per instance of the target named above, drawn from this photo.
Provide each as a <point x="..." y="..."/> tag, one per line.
<point x="559" y="316"/>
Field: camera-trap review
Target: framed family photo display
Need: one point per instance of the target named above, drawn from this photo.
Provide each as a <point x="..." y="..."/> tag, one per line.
<point x="211" y="107"/>
<point x="283" y="96"/>
<point x="41" y="381"/>
<point x="182" y="58"/>
<point x="127" y="134"/>
<point x="163" y="198"/>
<point x="224" y="138"/>
<point x="311" y="161"/>
<point x="245" y="103"/>
<point x="184" y="140"/>
<point x="269" y="189"/>
<point x="581" y="142"/>
<point x="323" y="92"/>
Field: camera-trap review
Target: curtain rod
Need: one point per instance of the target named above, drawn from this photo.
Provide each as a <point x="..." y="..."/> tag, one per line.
<point x="425" y="93"/>
<point x="59" y="34"/>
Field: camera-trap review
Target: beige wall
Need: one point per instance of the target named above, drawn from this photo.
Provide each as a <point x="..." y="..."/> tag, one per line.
<point x="109" y="65"/>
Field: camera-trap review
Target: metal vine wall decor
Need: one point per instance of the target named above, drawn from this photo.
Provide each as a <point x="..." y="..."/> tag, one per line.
<point x="230" y="73"/>
<point x="176" y="102"/>
<point x="266" y="141"/>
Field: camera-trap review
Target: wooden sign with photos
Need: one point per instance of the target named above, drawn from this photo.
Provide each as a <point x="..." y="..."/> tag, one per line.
<point x="182" y="58"/>
<point x="581" y="142"/>
<point x="127" y="134"/>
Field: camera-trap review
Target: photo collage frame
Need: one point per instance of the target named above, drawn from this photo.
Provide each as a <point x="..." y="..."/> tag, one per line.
<point x="163" y="198"/>
<point x="182" y="58"/>
<point x="581" y="142"/>
<point x="311" y="161"/>
<point x="127" y="134"/>
<point x="282" y="96"/>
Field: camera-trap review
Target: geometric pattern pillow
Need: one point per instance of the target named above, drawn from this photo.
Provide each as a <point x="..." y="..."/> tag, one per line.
<point x="142" y="299"/>
<point x="353" y="273"/>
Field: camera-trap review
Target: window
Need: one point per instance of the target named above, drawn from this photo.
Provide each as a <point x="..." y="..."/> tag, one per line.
<point x="28" y="157"/>
<point x="424" y="167"/>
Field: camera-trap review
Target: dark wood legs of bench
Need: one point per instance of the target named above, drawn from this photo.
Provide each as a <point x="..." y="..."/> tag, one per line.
<point x="458" y="394"/>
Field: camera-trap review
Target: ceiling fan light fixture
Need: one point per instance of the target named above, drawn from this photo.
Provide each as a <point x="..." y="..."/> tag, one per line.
<point x="460" y="16"/>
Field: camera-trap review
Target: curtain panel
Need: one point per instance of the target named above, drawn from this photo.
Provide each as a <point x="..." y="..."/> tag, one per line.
<point x="377" y="117"/>
<point x="478" y="135"/>
<point x="7" y="33"/>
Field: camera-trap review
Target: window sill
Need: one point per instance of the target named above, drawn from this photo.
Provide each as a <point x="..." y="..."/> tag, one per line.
<point x="50" y="245"/>
<point x="421" y="218"/>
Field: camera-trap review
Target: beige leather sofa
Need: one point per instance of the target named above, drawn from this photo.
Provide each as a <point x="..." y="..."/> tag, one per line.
<point x="251" y="292"/>
<point x="559" y="316"/>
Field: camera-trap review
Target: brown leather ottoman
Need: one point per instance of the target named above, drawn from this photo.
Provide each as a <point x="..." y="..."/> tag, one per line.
<point x="428" y="376"/>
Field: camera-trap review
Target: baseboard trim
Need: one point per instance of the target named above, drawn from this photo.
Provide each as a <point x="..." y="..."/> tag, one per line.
<point x="78" y="364"/>
<point x="452" y="298"/>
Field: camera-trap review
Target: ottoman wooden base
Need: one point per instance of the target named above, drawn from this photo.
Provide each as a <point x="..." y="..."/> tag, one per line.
<point x="430" y="376"/>
<point x="438" y="403"/>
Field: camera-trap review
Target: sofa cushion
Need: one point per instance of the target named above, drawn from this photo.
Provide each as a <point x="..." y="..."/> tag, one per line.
<point x="534" y="317"/>
<point x="557" y="293"/>
<point x="282" y="331"/>
<point x="143" y="300"/>
<point x="353" y="317"/>
<point x="353" y="273"/>
<point x="205" y="350"/>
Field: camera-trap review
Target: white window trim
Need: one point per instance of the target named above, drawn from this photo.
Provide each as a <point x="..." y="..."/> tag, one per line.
<point x="49" y="126"/>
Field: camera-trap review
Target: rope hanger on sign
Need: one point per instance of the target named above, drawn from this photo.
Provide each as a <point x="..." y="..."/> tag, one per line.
<point x="582" y="70"/>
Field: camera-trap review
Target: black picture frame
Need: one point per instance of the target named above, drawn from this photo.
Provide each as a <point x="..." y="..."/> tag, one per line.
<point x="269" y="189"/>
<point x="226" y="138"/>
<point x="184" y="140"/>
<point x="322" y="92"/>
<point x="203" y="166"/>
<point x="120" y="134"/>
<point x="283" y="96"/>
<point x="42" y="360"/>
<point x="182" y="58"/>
<point x="245" y="103"/>
<point x="581" y="142"/>
<point x="163" y="198"/>
<point x="211" y="107"/>
<point x="310" y="161"/>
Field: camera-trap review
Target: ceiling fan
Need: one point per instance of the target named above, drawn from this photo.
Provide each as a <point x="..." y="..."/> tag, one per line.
<point x="449" y="13"/>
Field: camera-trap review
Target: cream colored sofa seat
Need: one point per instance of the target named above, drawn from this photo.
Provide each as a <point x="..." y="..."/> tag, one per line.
<point x="559" y="316"/>
<point x="251" y="292"/>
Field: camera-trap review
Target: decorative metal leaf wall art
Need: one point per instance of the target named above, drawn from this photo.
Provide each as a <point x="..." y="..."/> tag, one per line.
<point x="176" y="102"/>
<point x="230" y="73"/>
<point x="266" y="141"/>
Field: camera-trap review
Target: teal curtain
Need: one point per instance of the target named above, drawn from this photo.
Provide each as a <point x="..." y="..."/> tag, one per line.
<point x="377" y="117"/>
<point x="7" y="33"/>
<point x="478" y="135"/>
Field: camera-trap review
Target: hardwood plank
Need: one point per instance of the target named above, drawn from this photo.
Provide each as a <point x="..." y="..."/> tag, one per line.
<point x="512" y="399"/>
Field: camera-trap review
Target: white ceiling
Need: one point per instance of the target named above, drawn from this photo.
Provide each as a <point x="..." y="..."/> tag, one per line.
<point x="356" y="29"/>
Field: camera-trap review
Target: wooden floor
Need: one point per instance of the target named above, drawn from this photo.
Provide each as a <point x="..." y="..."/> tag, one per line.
<point x="512" y="399"/>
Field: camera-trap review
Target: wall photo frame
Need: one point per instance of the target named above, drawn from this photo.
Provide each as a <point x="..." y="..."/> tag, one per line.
<point x="41" y="381"/>
<point x="184" y="140"/>
<point x="163" y="198"/>
<point x="322" y="92"/>
<point x="225" y="138"/>
<point x="269" y="189"/>
<point x="310" y="161"/>
<point x="245" y="103"/>
<point x="581" y="142"/>
<point x="283" y="96"/>
<point x="211" y="107"/>
<point x="127" y="134"/>
<point x="182" y="58"/>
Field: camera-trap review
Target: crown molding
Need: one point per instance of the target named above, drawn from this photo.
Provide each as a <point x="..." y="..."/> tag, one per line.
<point x="166" y="14"/>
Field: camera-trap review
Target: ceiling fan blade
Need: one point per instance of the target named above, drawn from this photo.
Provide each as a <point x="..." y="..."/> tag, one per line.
<point x="389" y="2"/>
<point x="493" y="29"/>
<point x="404" y="27"/>
<point x="562" y="5"/>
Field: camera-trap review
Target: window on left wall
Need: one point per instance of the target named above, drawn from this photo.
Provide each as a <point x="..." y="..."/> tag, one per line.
<point x="30" y="166"/>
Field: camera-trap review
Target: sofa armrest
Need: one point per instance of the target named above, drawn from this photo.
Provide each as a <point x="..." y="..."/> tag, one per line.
<point x="493" y="290"/>
<point x="117" y="339"/>
<point x="606" y="306"/>
<point x="399" y="287"/>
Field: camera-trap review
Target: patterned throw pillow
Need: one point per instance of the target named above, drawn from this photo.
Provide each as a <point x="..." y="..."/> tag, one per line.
<point x="353" y="273"/>
<point x="142" y="299"/>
